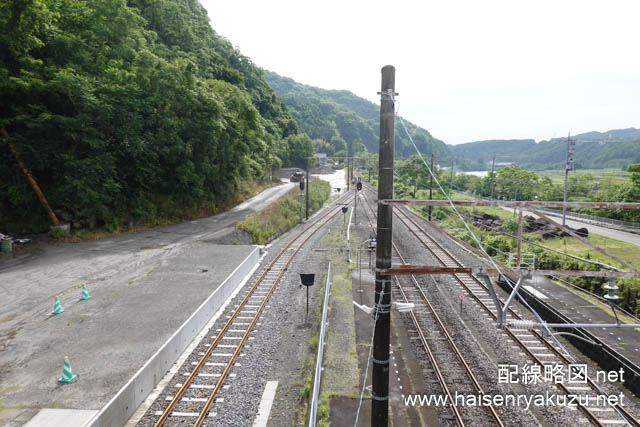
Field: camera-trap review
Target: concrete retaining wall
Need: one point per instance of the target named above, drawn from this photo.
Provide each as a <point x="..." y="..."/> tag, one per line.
<point x="122" y="406"/>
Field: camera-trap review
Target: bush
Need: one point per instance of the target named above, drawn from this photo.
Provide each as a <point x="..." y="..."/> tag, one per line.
<point x="284" y="214"/>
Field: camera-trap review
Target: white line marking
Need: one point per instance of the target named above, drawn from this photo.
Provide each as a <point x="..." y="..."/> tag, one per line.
<point x="265" y="404"/>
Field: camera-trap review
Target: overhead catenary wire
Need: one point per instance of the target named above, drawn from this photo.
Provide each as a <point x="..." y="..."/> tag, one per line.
<point x="490" y="258"/>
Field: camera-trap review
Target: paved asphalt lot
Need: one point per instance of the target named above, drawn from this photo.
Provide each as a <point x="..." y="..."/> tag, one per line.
<point x="143" y="287"/>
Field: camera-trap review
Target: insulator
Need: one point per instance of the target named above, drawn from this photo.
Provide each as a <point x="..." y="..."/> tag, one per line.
<point x="611" y="290"/>
<point x="522" y="324"/>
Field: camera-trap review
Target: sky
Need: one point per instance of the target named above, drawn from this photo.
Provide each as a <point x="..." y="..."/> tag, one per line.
<point x="465" y="70"/>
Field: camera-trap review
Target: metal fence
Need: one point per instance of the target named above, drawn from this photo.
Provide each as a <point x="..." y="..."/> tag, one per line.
<point x="526" y="261"/>
<point x="596" y="220"/>
<point x="317" y="376"/>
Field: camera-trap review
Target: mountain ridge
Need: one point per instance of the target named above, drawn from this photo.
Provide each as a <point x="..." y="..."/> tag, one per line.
<point x="344" y="121"/>
<point x="615" y="148"/>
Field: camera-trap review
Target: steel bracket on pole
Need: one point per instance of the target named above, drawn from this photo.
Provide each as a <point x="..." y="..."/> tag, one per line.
<point x="499" y="322"/>
<point x="514" y="292"/>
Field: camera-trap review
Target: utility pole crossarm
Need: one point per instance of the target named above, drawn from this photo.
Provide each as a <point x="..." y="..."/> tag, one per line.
<point x="513" y="204"/>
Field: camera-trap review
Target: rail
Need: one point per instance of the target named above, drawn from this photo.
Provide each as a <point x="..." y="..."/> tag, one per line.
<point x="317" y="376"/>
<point x="431" y="354"/>
<point x="438" y="251"/>
<point x="268" y="280"/>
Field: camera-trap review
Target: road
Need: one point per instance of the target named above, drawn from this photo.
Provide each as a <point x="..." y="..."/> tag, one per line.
<point x="602" y="231"/>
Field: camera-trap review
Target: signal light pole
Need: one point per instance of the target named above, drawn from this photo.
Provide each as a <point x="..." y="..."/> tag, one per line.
<point x="307" y="198"/>
<point x="355" y="201"/>
<point x="380" y="372"/>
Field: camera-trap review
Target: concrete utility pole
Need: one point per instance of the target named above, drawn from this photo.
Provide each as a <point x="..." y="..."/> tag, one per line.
<point x="519" y="239"/>
<point x="453" y="165"/>
<point x="307" y="189"/>
<point x="567" y="167"/>
<point x="355" y="205"/>
<point x="431" y="185"/>
<point x="353" y="166"/>
<point x="348" y="169"/>
<point x="493" y="178"/>
<point x="380" y="373"/>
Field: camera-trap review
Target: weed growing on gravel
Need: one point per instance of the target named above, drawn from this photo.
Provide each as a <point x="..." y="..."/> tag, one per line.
<point x="306" y="388"/>
<point x="284" y="214"/>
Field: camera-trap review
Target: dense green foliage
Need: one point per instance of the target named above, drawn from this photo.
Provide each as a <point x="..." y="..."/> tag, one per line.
<point x="129" y="110"/>
<point x="514" y="183"/>
<point x="342" y="123"/>
<point x="613" y="149"/>
<point x="284" y="214"/>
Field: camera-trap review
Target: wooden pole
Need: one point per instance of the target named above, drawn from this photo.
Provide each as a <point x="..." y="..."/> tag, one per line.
<point x="32" y="181"/>
<point x="380" y="372"/>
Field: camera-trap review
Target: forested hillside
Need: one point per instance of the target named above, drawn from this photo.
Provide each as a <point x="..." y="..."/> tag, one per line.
<point x="130" y="111"/>
<point x="594" y="150"/>
<point x="340" y="122"/>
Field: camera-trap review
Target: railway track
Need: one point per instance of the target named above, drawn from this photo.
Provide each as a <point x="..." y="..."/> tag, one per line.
<point x="439" y="346"/>
<point x="540" y="350"/>
<point x="195" y="400"/>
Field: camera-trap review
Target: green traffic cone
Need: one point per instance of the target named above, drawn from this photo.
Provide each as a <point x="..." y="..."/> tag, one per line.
<point x="85" y="293"/>
<point x="57" y="307"/>
<point x="67" y="374"/>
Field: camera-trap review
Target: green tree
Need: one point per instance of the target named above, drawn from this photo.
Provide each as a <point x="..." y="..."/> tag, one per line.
<point x="129" y="111"/>
<point x="300" y="148"/>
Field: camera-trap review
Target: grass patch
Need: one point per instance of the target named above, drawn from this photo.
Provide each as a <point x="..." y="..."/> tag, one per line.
<point x="340" y="362"/>
<point x="623" y="250"/>
<point x="616" y="175"/>
<point x="283" y="214"/>
<point x="310" y="363"/>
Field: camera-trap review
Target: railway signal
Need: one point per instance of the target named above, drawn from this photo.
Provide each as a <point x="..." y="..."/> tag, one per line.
<point x="359" y="186"/>
<point x="307" y="281"/>
<point x="344" y="216"/>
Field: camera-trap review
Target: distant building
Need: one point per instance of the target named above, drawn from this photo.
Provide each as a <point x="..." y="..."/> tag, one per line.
<point x="322" y="158"/>
<point x="504" y="164"/>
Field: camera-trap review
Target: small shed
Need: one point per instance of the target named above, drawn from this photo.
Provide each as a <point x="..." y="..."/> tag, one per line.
<point x="322" y="158"/>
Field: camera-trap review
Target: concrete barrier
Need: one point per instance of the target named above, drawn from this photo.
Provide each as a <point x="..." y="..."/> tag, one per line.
<point x="122" y="406"/>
